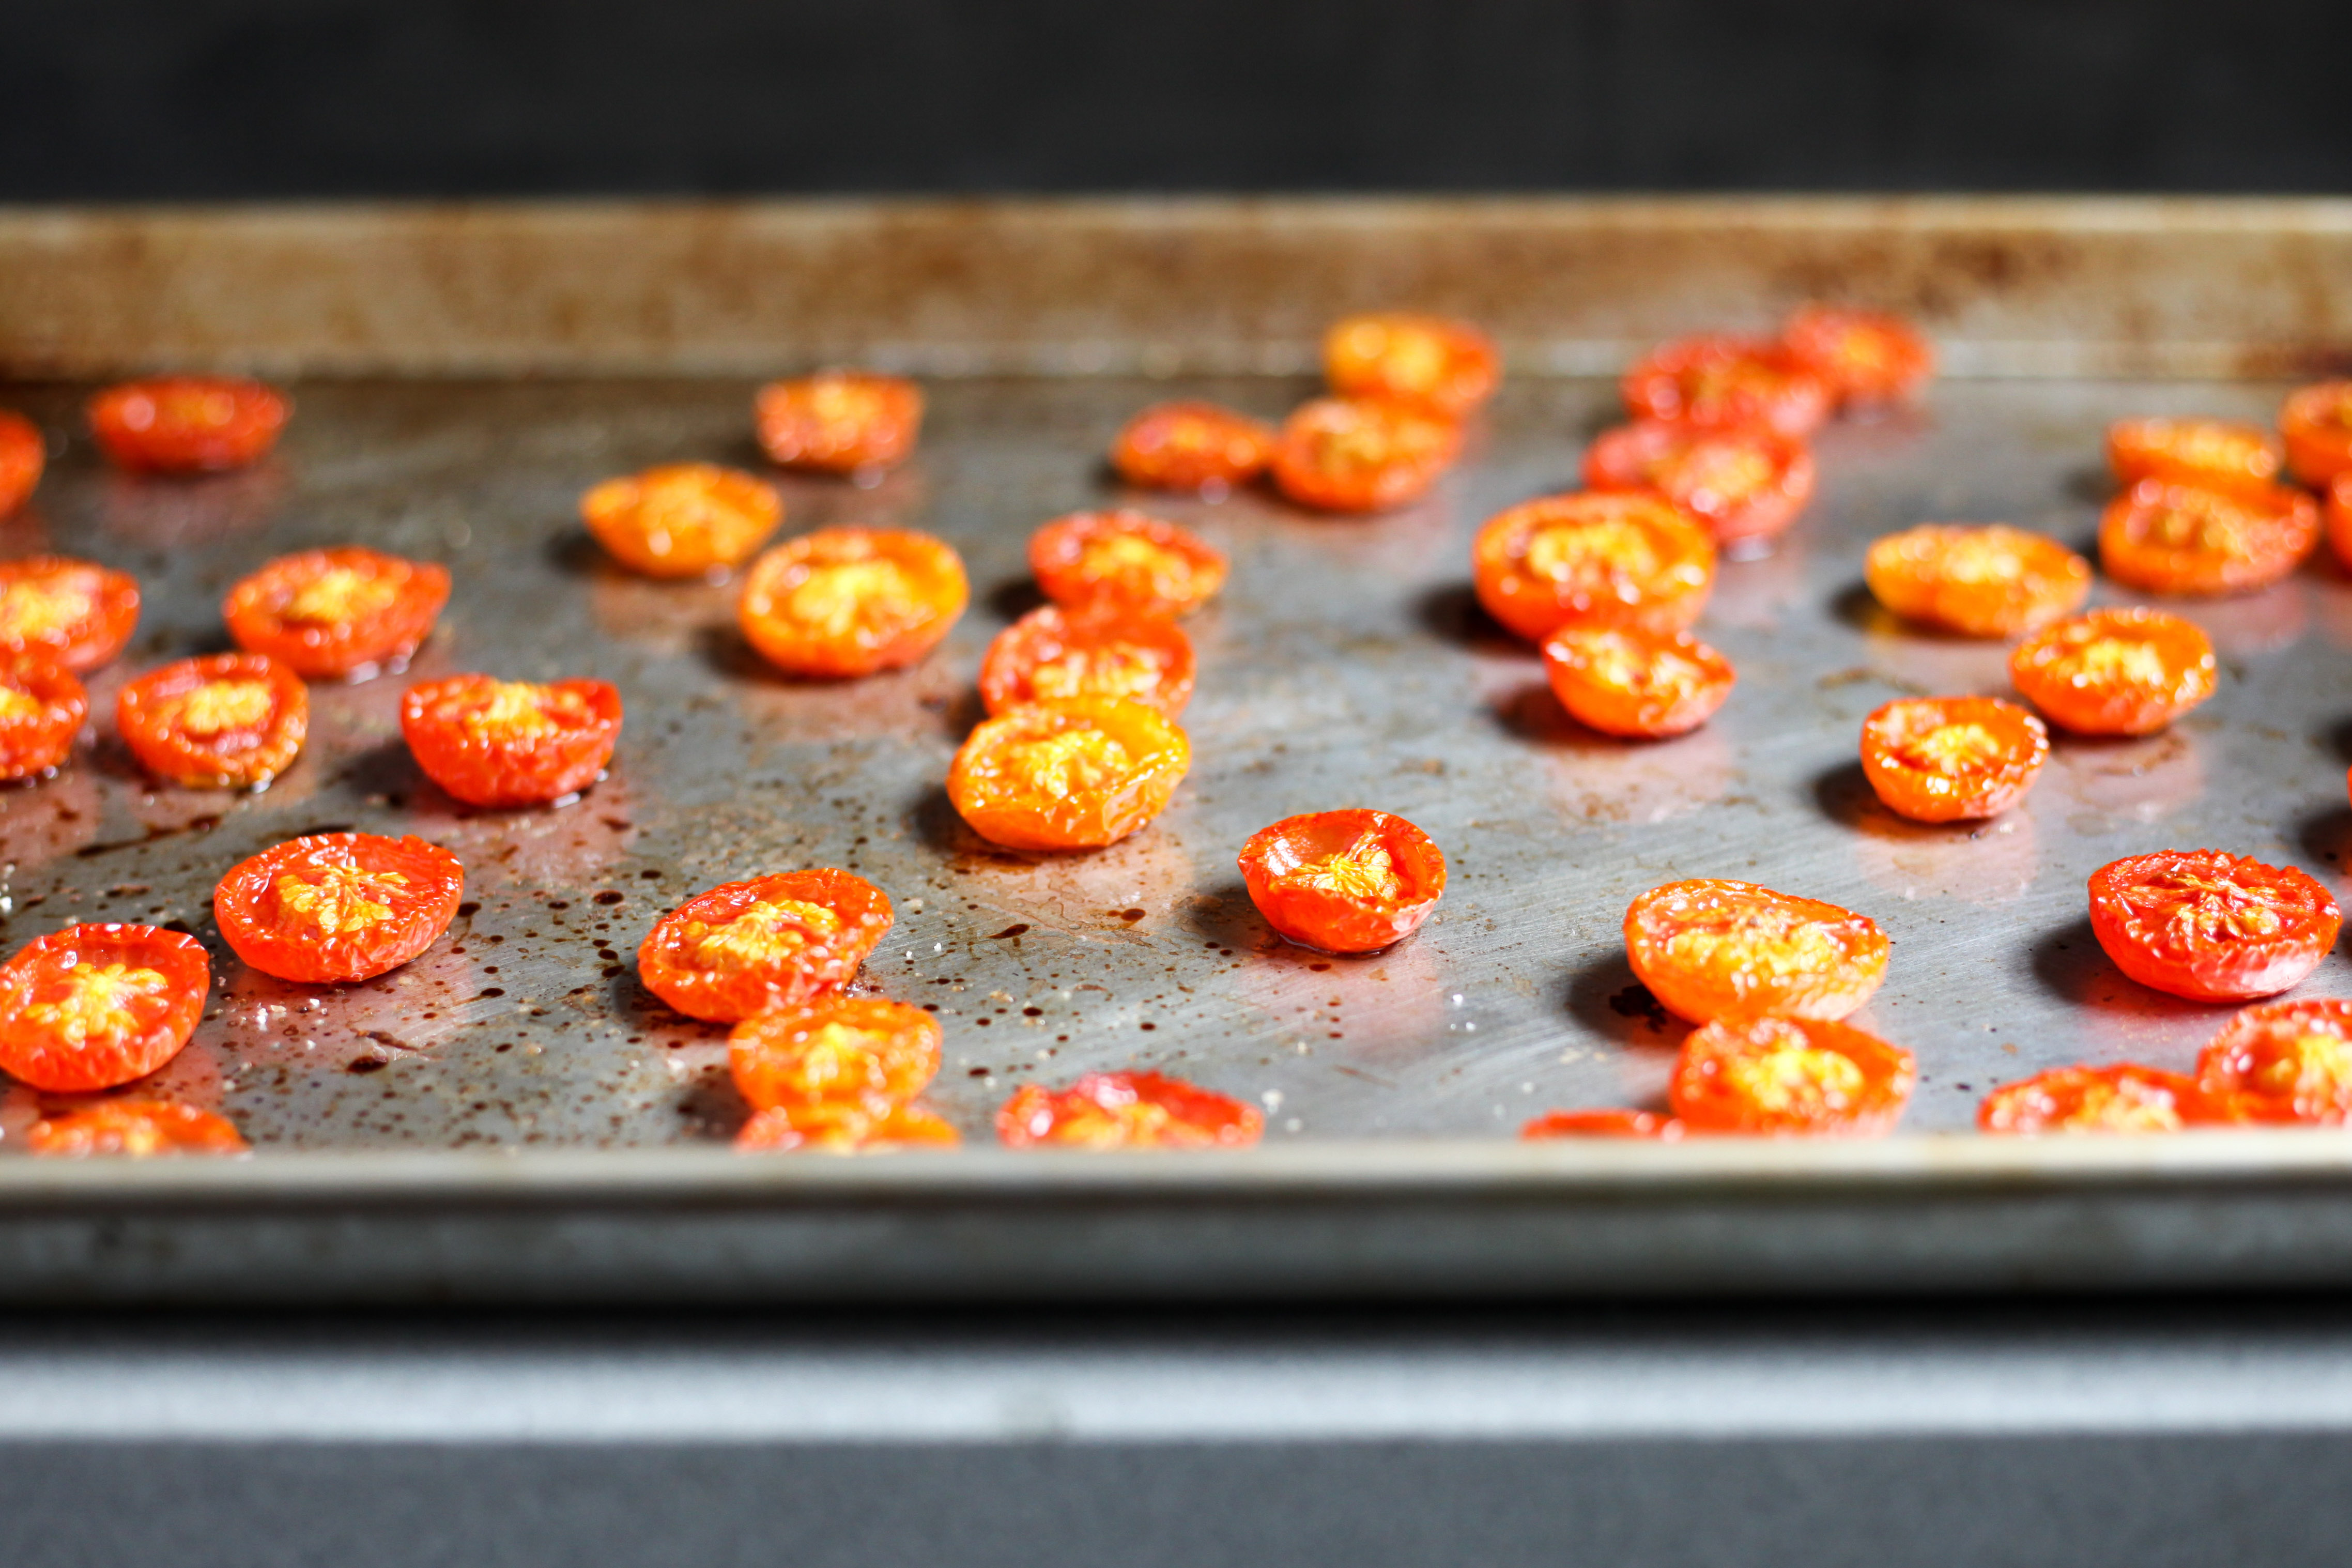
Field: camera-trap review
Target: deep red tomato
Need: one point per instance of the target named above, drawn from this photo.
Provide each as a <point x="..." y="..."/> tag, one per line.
<point x="840" y="1127"/>
<point x="2211" y="926"/>
<point x="336" y="907"/>
<point x="861" y="1050"/>
<point x="2115" y="672"/>
<point x="1789" y="1077"/>
<point x="839" y="420"/>
<point x="1125" y="561"/>
<point x="1127" y="1110"/>
<point x="682" y="519"/>
<point x="1952" y="759"/>
<point x="69" y="612"/>
<point x="2283" y="1061"/>
<point x="1599" y="558"/>
<point x="1721" y="381"/>
<point x="1196" y="448"/>
<point x="136" y="1128"/>
<point x="2126" y="1098"/>
<point x="1074" y="775"/>
<point x="188" y="424"/>
<point x="2214" y="454"/>
<point x="23" y="455"/>
<point x="1863" y="356"/>
<point x="1745" y="484"/>
<point x="510" y="742"/>
<point x="1052" y="655"/>
<point x="747" y="947"/>
<point x="2317" y="425"/>
<point x="2186" y="539"/>
<point x="1442" y="367"/>
<point x="1356" y="454"/>
<point x="349" y="612"/>
<point x="1344" y="881"/>
<point x="845" y="602"/>
<point x="1715" y="948"/>
<point x="1602" y="1124"/>
<point x="222" y="721"/>
<point x="1642" y="685"/>
<point x="92" y="1007"/>
<point x="41" y="712"/>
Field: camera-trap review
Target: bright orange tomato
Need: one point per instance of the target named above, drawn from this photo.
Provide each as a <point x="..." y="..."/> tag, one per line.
<point x="839" y="420"/>
<point x="41" y="712"/>
<point x="746" y="948"/>
<point x="1074" y="775"/>
<point x="2317" y="425"/>
<point x="341" y="614"/>
<point x="226" y="721"/>
<point x="495" y="742"/>
<point x="1125" y="561"/>
<point x="92" y="1007"/>
<point x="1952" y="759"/>
<point x="2211" y="926"/>
<point x="2283" y="1061"/>
<point x="2183" y="538"/>
<point x="1343" y="881"/>
<point x="1623" y="681"/>
<point x="2216" y="453"/>
<point x="1745" y="484"/>
<point x="138" y="1129"/>
<point x="839" y="1127"/>
<point x="2126" y="1098"/>
<point x="1602" y="1124"/>
<point x="338" y="907"/>
<point x="1442" y="367"/>
<point x="2115" y="672"/>
<point x="682" y="519"/>
<point x="1789" y="1077"/>
<point x="1196" y="448"/>
<point x="1356" y="454"/>
<point x="23" y="454"/>
<point x="1990" y="581"/>
<point x="861" y="1050"/>
<point x="69" y="612"/>
<point x="1127" y="1110"/>
<point x="1052" y="655"/>
<point x="1709" y="950"/>
<point x="1719" y="381"/>
<point x="1863" y="356"/>
<point x="2339" y="518"/>
<point x="1599" y="558"/>
<point x="188" y="424"/>
<point x="846" y="602"/>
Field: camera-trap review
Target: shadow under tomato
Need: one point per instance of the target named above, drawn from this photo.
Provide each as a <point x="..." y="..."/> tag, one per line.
<point x="388" y="769"/>
<point x="1223" y="916"/>
<point x="1014" y="598"/>
<point x="2337" y="735"/>
<point x="1604" y="996"/>
<point x="1453" y="613"/>
<point x="576" y="552"/>
<point x="2326" y="835"/>
<point x="2071" y="965"/>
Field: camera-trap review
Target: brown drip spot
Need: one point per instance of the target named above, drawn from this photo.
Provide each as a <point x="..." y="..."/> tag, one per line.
<point x="1009" y="930"/>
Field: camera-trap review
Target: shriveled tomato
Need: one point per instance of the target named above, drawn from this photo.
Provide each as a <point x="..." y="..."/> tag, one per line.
<point x="1952" y="759"/>
<point x="1745" y="484"/>
<point x="2339" y="518"/>
<point x="1125" y="561"/>
<point x="1789" y="1077"/>
<point x="2317" y="425"/>
<point x="1980" y="581"/>
<point x="1196" y="448"/>
<point x="1358" y="454"/>
<point x="2115" y="672"/>
<point x="69" y="612"/>
<point x="1052" y="655"/>
<point x="2126" y="1098"/>
<point x="2211" y="926"/>
<point x="1602" y="1124"/>
<point x="1343" y="881"/>
<point x="1722" y="381"/>
<point x="226" y="721"/>
<point x="1863" y="356"/>
<point x="2215" y="454"/>
<point x="2185" y="539"/>
<point x="23" y="454"/>
<point x="332" y="907"/>
<point x="839" y="420"/>
<point x="92" y="1007"/>
<point x="1442" y="367"/>
<point x="1073" y="774"/>
<point x="682" y="519"/>
<point x="1623" y="681"/>
<point x="846" y="602"/>
<point x="41" y="712"/>
<point x="859" y="1050"/>
<point x="510" y="742"/>
<point x="838" y="1127"/>
<point x="1127" y="1110"/>
<point x="1713" y="949"/>
<point x="188" y="424"/>
<point x="746" y="948"/>
<point x="138" y="1129"/>
<point x="345" y="612"/>
<point x="1600" y="558"/>
<point x="2283" y="1061"/>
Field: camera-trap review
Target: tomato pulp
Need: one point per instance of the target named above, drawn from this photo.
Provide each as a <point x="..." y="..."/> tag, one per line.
<point x="1789" y="1077"/>
<point x="226" y="721"/>
<point x="846" y="602"/>
<point x="188" y="424"/>
<point x="137" y="1129"/>
<point x="1642" y="685"/>
<point x="1199" y="448"/>
<point x="746" y="948"/>
<point x="2283" y="1062"/>
<point x="1127" y="1110"/>
<point x="1864" y="357"/>
<point x="1440" y="367"/>
<point x="1711" y="949"/>
<point x="839" y="420"/>
<point x="1726" y="381"/>
<point x="337" y="906"/>
<point x="41" y="712"/>
<point x="1952" y="759"/>
<point x="1358" y="454"/>
<point x="682" y="519"/>
<point x="1343" y="881"/>
<point x="2215" y="454"/>
<point x="2126" y="1098"/>
<point x="1073" y="774"/>
<point x="1053" y="655"/>
<point x="2115" y="672"/>
<point x="839" y="1127"/>
<point x="2186" y="539"/>
<point x="1608" y="1123"/>
<point x="1745" y="483"/>
<point x="68" y="612"/>
<point x="1990" y="581"/>
<point x="345" y="612"/>
<point x="1125" y="561"/>
<point x="92" y="1007"/>
<point x="23" y="455"/>
<point x="1599" y="558"/>
<point x="510" y="742"/>
<point x="2317" y="425"/>
<point x="859" y="1049"/>
<point x="2211" y="926"/>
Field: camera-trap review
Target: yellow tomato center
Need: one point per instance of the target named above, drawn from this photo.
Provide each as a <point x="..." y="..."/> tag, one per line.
<point x="2209" y="525"/>
<point x="30" y="609"/>
<point x="769" y="931"/>
<point x="2217" y="446"/>
<point x="222" y="707"/>
<point x="834" y="598"/>
<point x="2215" y="908"/>
<point x="1071" y="763"/>
<point x="1410" y="357"/>
<point x="338" y="595"/>
<point x="95" y="1004"/>
<point x="834" y="1058"/>
<point x="340" y="901"/>
<point x="838" y="401"/>
<point x="1128" y="555"/>
<point x="1794" y="1078"/>
<point x="2125" y="1107"/>
<point x="1612" y="658"/>
<point x="2119" y="661"/>
<point x="1363" y="872"/>
<point x="1950" y="748"/>
<point x="1725" y="472"/>
<point x="2309" y="1065"/>
<point x="1766" y="943"/>
<point x="1350" y="439"/>
<point x="1584" y="552"/>
<point x="683" y="509"/>
<point x="519" y="712"/>
<point x="18" y="706"/>
<point x="1137" y="1123"/>
<point x="1097" y="672"/>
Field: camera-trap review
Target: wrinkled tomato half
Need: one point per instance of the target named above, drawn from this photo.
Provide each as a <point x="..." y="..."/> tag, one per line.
<point x="2126" y="1098"/>
<point x="68" y="612"/>
<point x="1990" y="581"/>
<point x="1720" y="381"/>
<point x="92" y="1007"/>
<point x="859" y="1050"/>
<point x="1789" y="1077"/>
<point x="137" y="1129"/>
<point x="1599" y="558"/>
<point x="2211" y="926"/>
<point x="1074" y="774"/>
<point x="834" y="1127"/>
<point x="1125" y="561"/>
<point x="1745" y="484"/>
<point x="2216" y="453"/>
<point x="2317" y="425"/>
<point x="1864" y="357"/>
<point x="846" y="602"/>
<point x="347" y="612"/>
<point x="41" y="712"/>
<point x="1442" y="367"/>
<point x="1052" y="655"/>
<point x="2283" y="1061"/>
<point x="1343" y="881"/>
<point x="1642" y="685"/>
<point x="745" y="947"/>
<point x="1127" y="1110"/>
<point x="1195" y="448"/>
<point x="1355" y="454"/>
<point x="187" y="424"/>
<point x="682" y="519"/>
<point x="23" y="455"/>
<point x="333" y="907"/>
<point x="1609" y="1123"/>
<point x="2185" y="539"/>
<point x="2115" y="672"/>
<point x="2339" y="518"/>
<point x="227" y="721"/>
<point x="839" y="420"/>
<point x="1952" y="759"/>
<point x="510" y="742"/>
<point x="1712" y="949"/>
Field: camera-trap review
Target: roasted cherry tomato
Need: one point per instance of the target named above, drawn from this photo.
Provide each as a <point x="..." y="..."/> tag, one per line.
<point x="2215" y="454"/>
<point x="1990" y="581"/>
<point x="1052" y="655"/>
<point x="2115" y="672"/>
<point x="1952" y="759"/>
<point x="1355" y="454"/>
<point x="68" y="612"/>
<point x="23" y="454"/>
<point x="839" y="420"/>
<point x="2339" y="518"/>
<point x="1789" y="1077"/>
<point x="2283" y="1061"/>
<point x="682" y="519"/>
<point x="1195" y="448"/>
<point x="1601" y="558"/>
<point x="187" y="424"/>
<point x="2317" y="425"/>
<point x="1714" y="949"/>
<point x="746" y="948"/>
<point x="861" y="1050"/>
<point x="1623" y="681"/>
<point x="139" y="1128"/>
<point x="1724" y="380"/>
<point x="1127" y="1110"/>
<point x="1862" y="357"/>
<point x="1125" y="561"/>
<point x="2211" y="926"/>
<point x="227" y="721"/>
<point x="1074" y="774"/>
<point x="2185" y="539"/>
<point x="41" y="712"/>
<point x="2126" y="1098"/>
<point x="1438" y="366"/>
<point x="342" y="613"/>
<point x="338" y="906"/>
<point x="1745" y="484"/>
<point x="846" y="602"/>
<point x="1602" y="1124"/>
<point x="835" y="1127"/>
<point x="510" y="742"/>
<point x="92" y="1007"/>
<point x="1343" y="881"/>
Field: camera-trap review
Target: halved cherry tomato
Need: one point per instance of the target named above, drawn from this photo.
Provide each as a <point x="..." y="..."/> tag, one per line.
<point x="2185" y="539"/>
<point x="1789" y="1077"/>
<point x="2339" y="518"/>
<point x="1744" y="483"/>
<point x="225" y="720"/>
<point x="746" y="948"/>
<point x="2126" y="1098"/>
<point x="861" y="1050"/>
<point x="66" y="611"/>
<point x="2216" y="453"/>
<point x="1713" y="949"/>
<point x="2211" y="926"/>
<point x="682" y="519"/>
<point x="1356" y="454"/>
<point x="510" y="742"/>
<point x="139" y="1128"/>
<point x="1988" y="581"/>
<point x="332" y="907"/>
<point x="1196" y="448"/>
<point x="839" y="420"/>
<point x="1863" y="356"/>
<point x="846" y="602"/>
<point x="2317" y="425"/>
<point x="92" y="1007"/>
<point x="41" y="712"/>
<point x="1442" y="367"/>
<point x="1343" y="881"/>
<point x="188" y="424"/>
<point x="1599" y="558"/>
<point x="1051" y="655"/>
<point x="1952" y="759"/>
<point x="1074" y="775"/>
<point x="2283" y="1061"/>
<point x="1602" y="1124"/>
<point x="347" y="612"/>
<point x="1125" y="561"/>
<point x="1127" y="1110"/>
<point x="2115" y="672"/>
<point x="1623" y="681"/>
<point x="23" y="454"/>
<point x="1720" y="381"/>
<point x="833" y="1127"/>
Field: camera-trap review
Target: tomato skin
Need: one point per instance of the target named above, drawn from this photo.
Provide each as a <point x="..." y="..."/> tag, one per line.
<point x="1864" y="357"/>
<point x="69" y="612"/>
<point x="1627" y="558"/>
<point x="2055" y="671"/>
<point x="1356" y="454"/>
<point x="858" y="1049"/>
<point x="815" y="607"/>
<point x="23" y="455"/>
<point x="454" y="729"/>
<point x="346" y="879"/>
<point x="2216" y="453"/>
<point x="1845" y="1083"/>
<point x="1928" y="783"/>
<point x="1127" y="561"/>
<point x="2211" y="926"/>
<point x="2287" y="1062"/>
<point x="693" y="957"/>
<point x="187" y="424"/>
<point x="994" y="784"/>
<point x="2339" y="518"/>
<point x="1399" y="875"/>
<point x="1743" y="483"/>
<point x="2317" y="425"/>
<point x="682" y="519"/>
<point x="1712" y="949"/>
<point x="1988" y="581"/>
<point x="99" y="1030"/>
<point x="139" y="1128"/>
<point x="243" y="750"/>
<point x="1100" y="651"/>
<point x="2186" y="539"/>
<point x="1610" y="1123"/>
<point x="1718" y="381"/>
<point x="1127" y="1110"/>
<point x="839" y="1128"/>
<point x="1639" y="685"/>
<point x="1198" y="449"/>
<point x="339" y="613"/>
<point x="41" y="713"/>
<point x="1439" y="367"/>
<point x="2125" y="1098"/>
<point x="839" y="420"/>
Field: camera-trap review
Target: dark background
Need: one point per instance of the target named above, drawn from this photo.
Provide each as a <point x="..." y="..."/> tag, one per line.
<point x="211" y="98"/>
